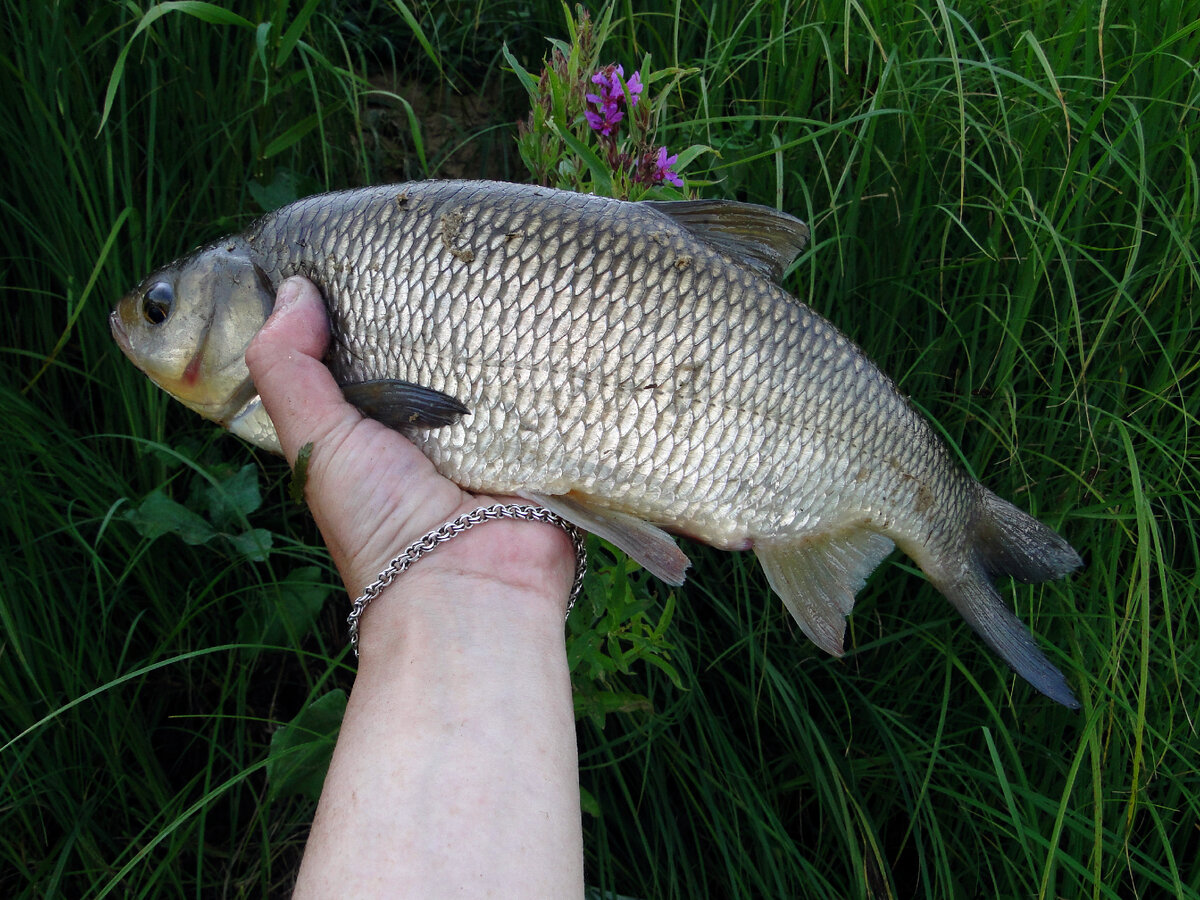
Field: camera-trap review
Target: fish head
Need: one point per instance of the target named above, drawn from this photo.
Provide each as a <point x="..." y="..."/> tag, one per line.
<point x="187" y="326"/>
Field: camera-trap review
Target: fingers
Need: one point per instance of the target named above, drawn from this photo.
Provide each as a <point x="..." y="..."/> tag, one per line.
<point x="284" y="359"/>
<point x="370" y="490"/>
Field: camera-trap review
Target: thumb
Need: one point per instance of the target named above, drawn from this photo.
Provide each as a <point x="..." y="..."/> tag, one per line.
<point x="284" y="359"/>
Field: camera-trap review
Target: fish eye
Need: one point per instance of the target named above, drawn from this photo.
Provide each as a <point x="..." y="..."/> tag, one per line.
<point x="156" y="303"/>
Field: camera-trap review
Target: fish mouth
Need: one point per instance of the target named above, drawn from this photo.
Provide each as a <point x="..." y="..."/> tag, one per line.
<point x="118" y="333"/>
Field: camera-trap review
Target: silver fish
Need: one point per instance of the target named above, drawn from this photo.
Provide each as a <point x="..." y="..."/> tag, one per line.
<point x="634" y="367"/>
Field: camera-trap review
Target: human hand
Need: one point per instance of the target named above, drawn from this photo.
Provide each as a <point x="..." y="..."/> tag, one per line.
<point x="455" y="770"/>
<point x="371" y="491"/>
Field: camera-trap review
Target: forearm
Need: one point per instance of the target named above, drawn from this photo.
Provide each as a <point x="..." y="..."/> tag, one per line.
<point x="456" y="768"/>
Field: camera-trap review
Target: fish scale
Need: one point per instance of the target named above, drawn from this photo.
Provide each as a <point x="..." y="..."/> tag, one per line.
<point x="630" y="366"/>
<point x="438" y="236"/>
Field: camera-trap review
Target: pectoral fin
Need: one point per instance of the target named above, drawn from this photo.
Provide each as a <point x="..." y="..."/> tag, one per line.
<point x="648" y="544"/>
<point x="818" y="577"/>
<point x="403" y="405"/>
<point x="252" y="423"/>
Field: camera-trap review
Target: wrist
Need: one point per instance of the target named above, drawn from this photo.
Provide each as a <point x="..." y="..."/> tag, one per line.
<point x="459" y="610"/>
<point x="457" y="581"/>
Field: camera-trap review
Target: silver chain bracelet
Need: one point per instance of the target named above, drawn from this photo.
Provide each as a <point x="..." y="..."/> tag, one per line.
<point x="440" y="535"/>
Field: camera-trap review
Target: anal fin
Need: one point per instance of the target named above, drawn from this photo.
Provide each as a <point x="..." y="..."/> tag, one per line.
<point x="818" y="577"/>
<point x="652" y="547"/>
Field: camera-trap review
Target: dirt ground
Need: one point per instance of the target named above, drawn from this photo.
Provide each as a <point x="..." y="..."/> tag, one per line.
<point x="464" y="136"/>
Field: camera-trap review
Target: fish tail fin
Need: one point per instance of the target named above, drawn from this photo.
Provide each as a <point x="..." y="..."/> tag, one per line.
<point x="1008" y="541"/>
<point x="1002" y="540"/>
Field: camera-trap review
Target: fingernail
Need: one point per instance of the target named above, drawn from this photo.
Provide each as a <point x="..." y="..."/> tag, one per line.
<point x="287" y="295"/>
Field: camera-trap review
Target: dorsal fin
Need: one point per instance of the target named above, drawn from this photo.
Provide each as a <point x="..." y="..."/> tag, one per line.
<point x="763" y="238"/>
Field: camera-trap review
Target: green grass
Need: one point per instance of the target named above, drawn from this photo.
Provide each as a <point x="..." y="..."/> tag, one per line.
<point x="1004" y="202"/>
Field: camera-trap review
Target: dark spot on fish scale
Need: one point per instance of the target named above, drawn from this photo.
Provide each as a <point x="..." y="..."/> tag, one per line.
<point x="924" y="499"/>
<point x="683" y="262"/>
<point x="451" y="225"/>
<point x="402" y="199"/>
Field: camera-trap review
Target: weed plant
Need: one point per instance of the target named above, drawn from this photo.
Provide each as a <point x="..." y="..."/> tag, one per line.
<point x="1003" y="200"/>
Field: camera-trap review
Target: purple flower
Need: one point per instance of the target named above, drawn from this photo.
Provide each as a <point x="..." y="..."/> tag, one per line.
<point x="608" y="77"/>
<point x="611" y="98"/>
<point x="662" y="168"/>
<point x="634" y="86"/>
<point x="604" y="121"/>
<point x="613" y="84"/>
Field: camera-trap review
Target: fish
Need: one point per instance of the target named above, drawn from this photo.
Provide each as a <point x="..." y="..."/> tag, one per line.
<point x="636" y="367"/>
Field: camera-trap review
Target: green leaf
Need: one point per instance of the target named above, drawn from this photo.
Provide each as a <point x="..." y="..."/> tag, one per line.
<point x="301" y="750"/>
<point x="281" y="618"/>
<point x="158" y="514"/>
<point x="292" y="36"/>
<point x="284" y="188"/>
<point x="300" y="473"/>
<point x="689" y="154"/>
<point x="230" y="499"/>
<point x="186" y="452"/>
<point x="254" y="544"/>
<point x="262" y="37"/>
<point x="205" y="12"/>
<point x="598" y="168"/>
<point x="526" y="79"/>
<point x="588" y="803"/>
<point x="292" y="136"/>
<point x="414" y="129"/>
<point x="419" y="34"/>
<point x="599" y="704"/>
